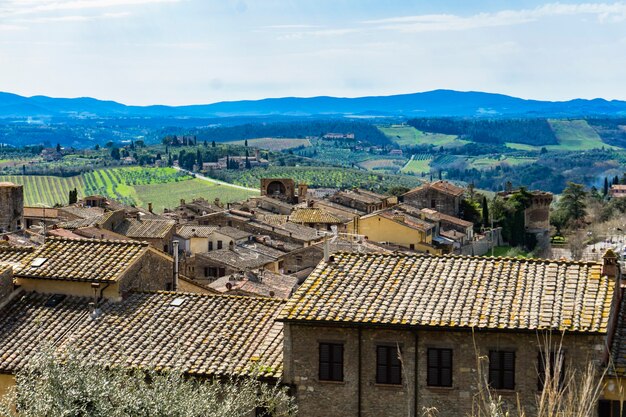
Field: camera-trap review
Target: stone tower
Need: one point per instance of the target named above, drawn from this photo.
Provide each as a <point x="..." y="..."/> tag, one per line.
<point x="11" y="207"/>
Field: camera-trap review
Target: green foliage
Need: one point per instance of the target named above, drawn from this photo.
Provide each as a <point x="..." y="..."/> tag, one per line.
<point x="573" y="204"/>
<point x="398" y="190"/>
<point x="528" y="131"/>
<point x="319" y="177"/>
<point x="470" y="211"/>
<point x="81" y="387"/>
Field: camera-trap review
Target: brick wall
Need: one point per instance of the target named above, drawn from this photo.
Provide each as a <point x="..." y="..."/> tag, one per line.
<point x="317" y="398"/>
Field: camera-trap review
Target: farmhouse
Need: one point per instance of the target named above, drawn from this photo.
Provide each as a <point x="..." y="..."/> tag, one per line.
<point x="442" y="196"/>
<point x="390" y="334"/>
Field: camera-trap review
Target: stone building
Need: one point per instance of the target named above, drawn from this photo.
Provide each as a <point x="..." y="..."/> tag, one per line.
<point x="202" y="335"/>
<point x="363" y="200"/>
<point x="11" y="207"/>
<point x="378" y="334"/>
<point x="442" y="196"/>
<point x="88" y="267"/>
<point x="283" y="189"/>
<point x="536" y="215"/>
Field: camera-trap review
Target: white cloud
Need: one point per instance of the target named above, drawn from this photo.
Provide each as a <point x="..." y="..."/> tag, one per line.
<point x="604" y="12"/>
<point x="21" y="7"/>
<point x="74" y="18"/>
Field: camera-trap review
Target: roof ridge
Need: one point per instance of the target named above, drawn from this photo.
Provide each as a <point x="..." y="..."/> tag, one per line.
<point x="451" y="255"/>
<point x="105" y="241"/>
<point x="200" y="295"/>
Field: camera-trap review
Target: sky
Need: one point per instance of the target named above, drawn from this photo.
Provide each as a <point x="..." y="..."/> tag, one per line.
<point x="203" y="51"/>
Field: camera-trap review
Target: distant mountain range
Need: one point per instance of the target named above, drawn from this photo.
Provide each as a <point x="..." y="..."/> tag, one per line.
<point x="427" y="104"/>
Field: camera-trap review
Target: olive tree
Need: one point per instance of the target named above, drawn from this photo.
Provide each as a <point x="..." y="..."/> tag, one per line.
<point x="81" y="387"/>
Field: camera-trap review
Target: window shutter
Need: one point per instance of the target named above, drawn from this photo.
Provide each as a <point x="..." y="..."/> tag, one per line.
<point x="508" y="376"/>
<point x="494" y="369"/>
<point x="324" y="361"/>
<point x="446" y="367"/>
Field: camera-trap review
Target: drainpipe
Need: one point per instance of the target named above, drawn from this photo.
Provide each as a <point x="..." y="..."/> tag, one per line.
<point x="175" y="277"/>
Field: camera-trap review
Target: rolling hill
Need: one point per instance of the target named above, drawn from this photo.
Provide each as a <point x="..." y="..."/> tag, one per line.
<point x="426" y="104"/>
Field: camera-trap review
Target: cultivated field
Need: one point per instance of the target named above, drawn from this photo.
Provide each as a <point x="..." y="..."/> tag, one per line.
<point x="46" y="190"/>
<point x="163" y="187"/>
<point x="573" y="135"/>
<point x="408" y="135"/>
<point x="419" y="164"/>
<point x="274" y="144"/>
<point x="382" y="164"/>
<point x="487" y="162"/>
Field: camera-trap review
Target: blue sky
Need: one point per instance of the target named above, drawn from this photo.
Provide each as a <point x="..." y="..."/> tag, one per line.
<point x="202" y="51"/>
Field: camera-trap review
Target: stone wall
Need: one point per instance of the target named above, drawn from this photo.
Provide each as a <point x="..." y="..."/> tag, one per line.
<point x="11" y="207"/>
<point x="153" y="271"/>
<point x="6" y="282"/>
<point x="425" y="198"/>
<point x="318" y="398"/>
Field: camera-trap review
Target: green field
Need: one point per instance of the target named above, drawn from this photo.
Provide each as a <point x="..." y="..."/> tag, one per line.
<point x="573" y="135"/>
<point x="46" y="190"/>
<point x="487" y="162"/>
<point x="407" y="135"/>
<point x="418" y="164"/>
<point x="274" y="144"/>
<point x="382" y="164"/>
<point x="163" y="187"/>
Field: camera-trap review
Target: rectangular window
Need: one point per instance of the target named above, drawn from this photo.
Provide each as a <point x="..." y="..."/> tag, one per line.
<point x="552" y="369"/>
<point x="388" y="367"/>
<point x="433" y="203"/>
<point x="607" y="408"/>
<point x="210" y="245"/>
<point x="439" y="367"/>
<point x="502" y="369"/>
<point x="331" y="362"/>
<point x="219" y="244"/>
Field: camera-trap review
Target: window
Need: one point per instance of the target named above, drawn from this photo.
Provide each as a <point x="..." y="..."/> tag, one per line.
<point x="388" y="368"/>
<point x="502" y="369"/>
<point x="210" y="245"/>
<point x="412" y="246"/>
<point x="439" y="367"/>
<point x="219" y="244"/>
<point x="212" y="271"/>
<point x="608" y="408"/>
<point x="331" y="362"/>
<point x="555" y="365"/>
<point x="433" y="203"/>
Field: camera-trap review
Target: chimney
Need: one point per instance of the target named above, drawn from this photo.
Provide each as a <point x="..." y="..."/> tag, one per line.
<point x="150" y="207"/>
<point x="610" y="267"/>
<point x="138" y="216"/>
<point x="175" y="275"/>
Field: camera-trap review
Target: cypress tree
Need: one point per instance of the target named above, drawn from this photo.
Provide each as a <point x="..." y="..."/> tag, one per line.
<point x="485" y="212"/>
<point x="605" y="190"/>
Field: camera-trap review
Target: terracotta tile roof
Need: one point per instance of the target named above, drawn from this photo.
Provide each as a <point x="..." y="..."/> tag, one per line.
<point x="436" y="215"/>
<point x="206" y="334"/>
<point x="14" y="254"/>
<point x="51" y="213"/>
<point x="145" y="228"/>
<point x="441" y="186"/>
<point x="273" y="219"/>
<point x="618" y="345"/>
<point x="313" y="215"/>
<point x="232" y="232"/>
<point x="402" y="217"/>
<point x="99" y="233"/>
<point x="89" y="260"/>
<point x="363" y="196"/>
<point x="83" y="212"/>
<point x="188" y="231"/>
<point x="455" y="291"/>
<point x="80" y="223"/>
<point x="257" y="283"/>
<point x="239" y="258"/>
